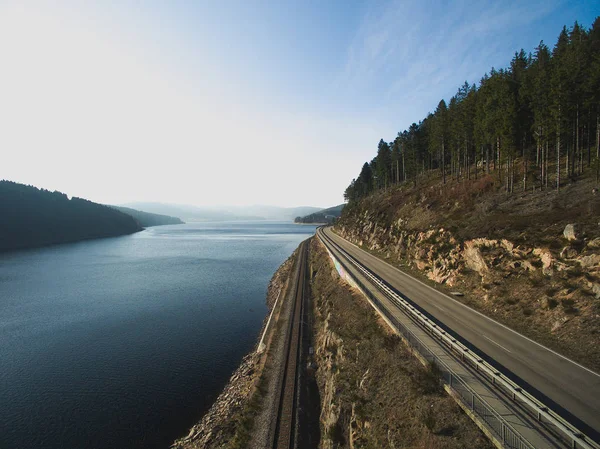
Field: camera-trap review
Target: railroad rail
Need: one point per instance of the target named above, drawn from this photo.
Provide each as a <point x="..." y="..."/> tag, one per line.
<point x="284" y="433"/>
<point x="503" y="430"/>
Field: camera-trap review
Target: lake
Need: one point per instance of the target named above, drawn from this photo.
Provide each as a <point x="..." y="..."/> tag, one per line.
<point x="125" y="342"/>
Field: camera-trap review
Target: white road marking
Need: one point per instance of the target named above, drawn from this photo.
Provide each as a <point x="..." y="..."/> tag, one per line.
<point x="473" y="310"/>
<point x="496" y="343"/>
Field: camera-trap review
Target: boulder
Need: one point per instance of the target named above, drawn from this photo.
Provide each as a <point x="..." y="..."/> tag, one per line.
<point x="570" y="232"/>
<point x="473" y="258"/>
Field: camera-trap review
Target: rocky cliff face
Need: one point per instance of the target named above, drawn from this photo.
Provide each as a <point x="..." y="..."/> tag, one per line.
<point x="550" y="292"/>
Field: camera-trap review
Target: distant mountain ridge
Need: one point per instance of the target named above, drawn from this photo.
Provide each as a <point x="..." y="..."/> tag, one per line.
<point x="328" y="216"/>
<point x="32" y="217"/>
<point x="224" y="213"/>
<point x="147" y="219"/>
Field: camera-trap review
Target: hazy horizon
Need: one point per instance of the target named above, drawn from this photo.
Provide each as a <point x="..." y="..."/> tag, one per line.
<point x="231" y="103"/>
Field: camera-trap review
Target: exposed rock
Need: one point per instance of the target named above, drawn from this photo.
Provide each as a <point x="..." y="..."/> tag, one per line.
<point x="595" y="289"/>
<point x="440" y="276"/>
<point x="527" y="265"/>
<point x="559" y="323"/>
<point x="568" y="252"/>
<point x="508" y="246"/>
<point x="421" y="265"/>
<point x="590" y="261"/>
<point x="570" y="232"/>
<point x="473" y="258"/>
<point x="595" y="243"/>
<point x="457" y="293"/>
<point x="546" y="259"/>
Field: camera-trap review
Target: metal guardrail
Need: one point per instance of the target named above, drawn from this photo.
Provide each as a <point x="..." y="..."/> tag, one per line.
<point x="503" y="430"/>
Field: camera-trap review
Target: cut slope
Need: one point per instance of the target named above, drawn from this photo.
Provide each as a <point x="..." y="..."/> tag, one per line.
<point x="508" y="254"/>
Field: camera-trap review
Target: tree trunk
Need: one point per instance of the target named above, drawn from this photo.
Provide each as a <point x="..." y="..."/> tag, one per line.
<point x="542" y="166"/>
<point x="589" y="148"/>
<point x="577" y="140"/>
<point x="597" y="147"/>
<point x="567" y="162"/>
<point x="537" y="147"/>
<point x="443" y="162"/>
<point x="498" y="158"/>
<point x="546" y="162"/>
<point x="558" y="156"/>
<point x="524" y="168"/>
<point x="475" y="154"/>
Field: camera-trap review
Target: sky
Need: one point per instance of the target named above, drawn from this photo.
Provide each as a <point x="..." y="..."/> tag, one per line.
<point x="237" y="102"/>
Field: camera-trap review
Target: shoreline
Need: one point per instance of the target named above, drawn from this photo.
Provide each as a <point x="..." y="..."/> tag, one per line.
<point x="219" y="425"/>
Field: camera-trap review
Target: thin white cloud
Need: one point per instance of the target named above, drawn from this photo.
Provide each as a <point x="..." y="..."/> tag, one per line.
<point x="96" y="114"/>
<point x="422" y="51"/>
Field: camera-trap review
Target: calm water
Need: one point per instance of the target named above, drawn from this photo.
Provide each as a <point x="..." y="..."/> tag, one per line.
<point x="125" y="342"/>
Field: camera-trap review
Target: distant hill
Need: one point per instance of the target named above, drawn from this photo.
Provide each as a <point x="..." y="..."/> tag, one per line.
<point x="224" y="213"/>
<point x="186" y="212"/>
<point x="32" y="217"/>
<point x="147" y="219"/>
<point x="323" y="216"/>
<point x="276" y="213"/>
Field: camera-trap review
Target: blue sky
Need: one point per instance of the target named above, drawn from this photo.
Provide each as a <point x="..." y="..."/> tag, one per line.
<point x="238" y="102"/>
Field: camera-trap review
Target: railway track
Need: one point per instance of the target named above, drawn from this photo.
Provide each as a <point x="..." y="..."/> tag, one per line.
<point x="284" y="431"/>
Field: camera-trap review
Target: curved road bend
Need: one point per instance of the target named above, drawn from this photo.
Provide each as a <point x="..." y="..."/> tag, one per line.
<point x="573" y="387"/>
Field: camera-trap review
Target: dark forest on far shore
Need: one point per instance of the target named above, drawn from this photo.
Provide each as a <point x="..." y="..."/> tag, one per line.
<point x="32" y="217"/>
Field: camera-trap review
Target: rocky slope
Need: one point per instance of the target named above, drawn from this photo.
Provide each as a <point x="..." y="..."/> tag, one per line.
<point x="374" y="393"/>
<point x="529" y="260"/>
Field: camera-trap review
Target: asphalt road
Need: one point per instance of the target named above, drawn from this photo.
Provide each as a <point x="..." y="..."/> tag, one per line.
<point x="573" y="387"/>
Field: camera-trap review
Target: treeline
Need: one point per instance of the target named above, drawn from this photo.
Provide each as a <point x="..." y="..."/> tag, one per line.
<point x="535" y="123"/>
<point x="32" y="217"/>
<point x="147" y="219"/>
<point x="329" y="216"/>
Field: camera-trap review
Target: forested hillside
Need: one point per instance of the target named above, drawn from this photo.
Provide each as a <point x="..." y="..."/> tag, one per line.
<point x="535" y="124"/>
<point x="31" y="217"/>
<point x="147" y="219"/>
<point x="495" y="196"/>
<point x="328" y="215"/>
